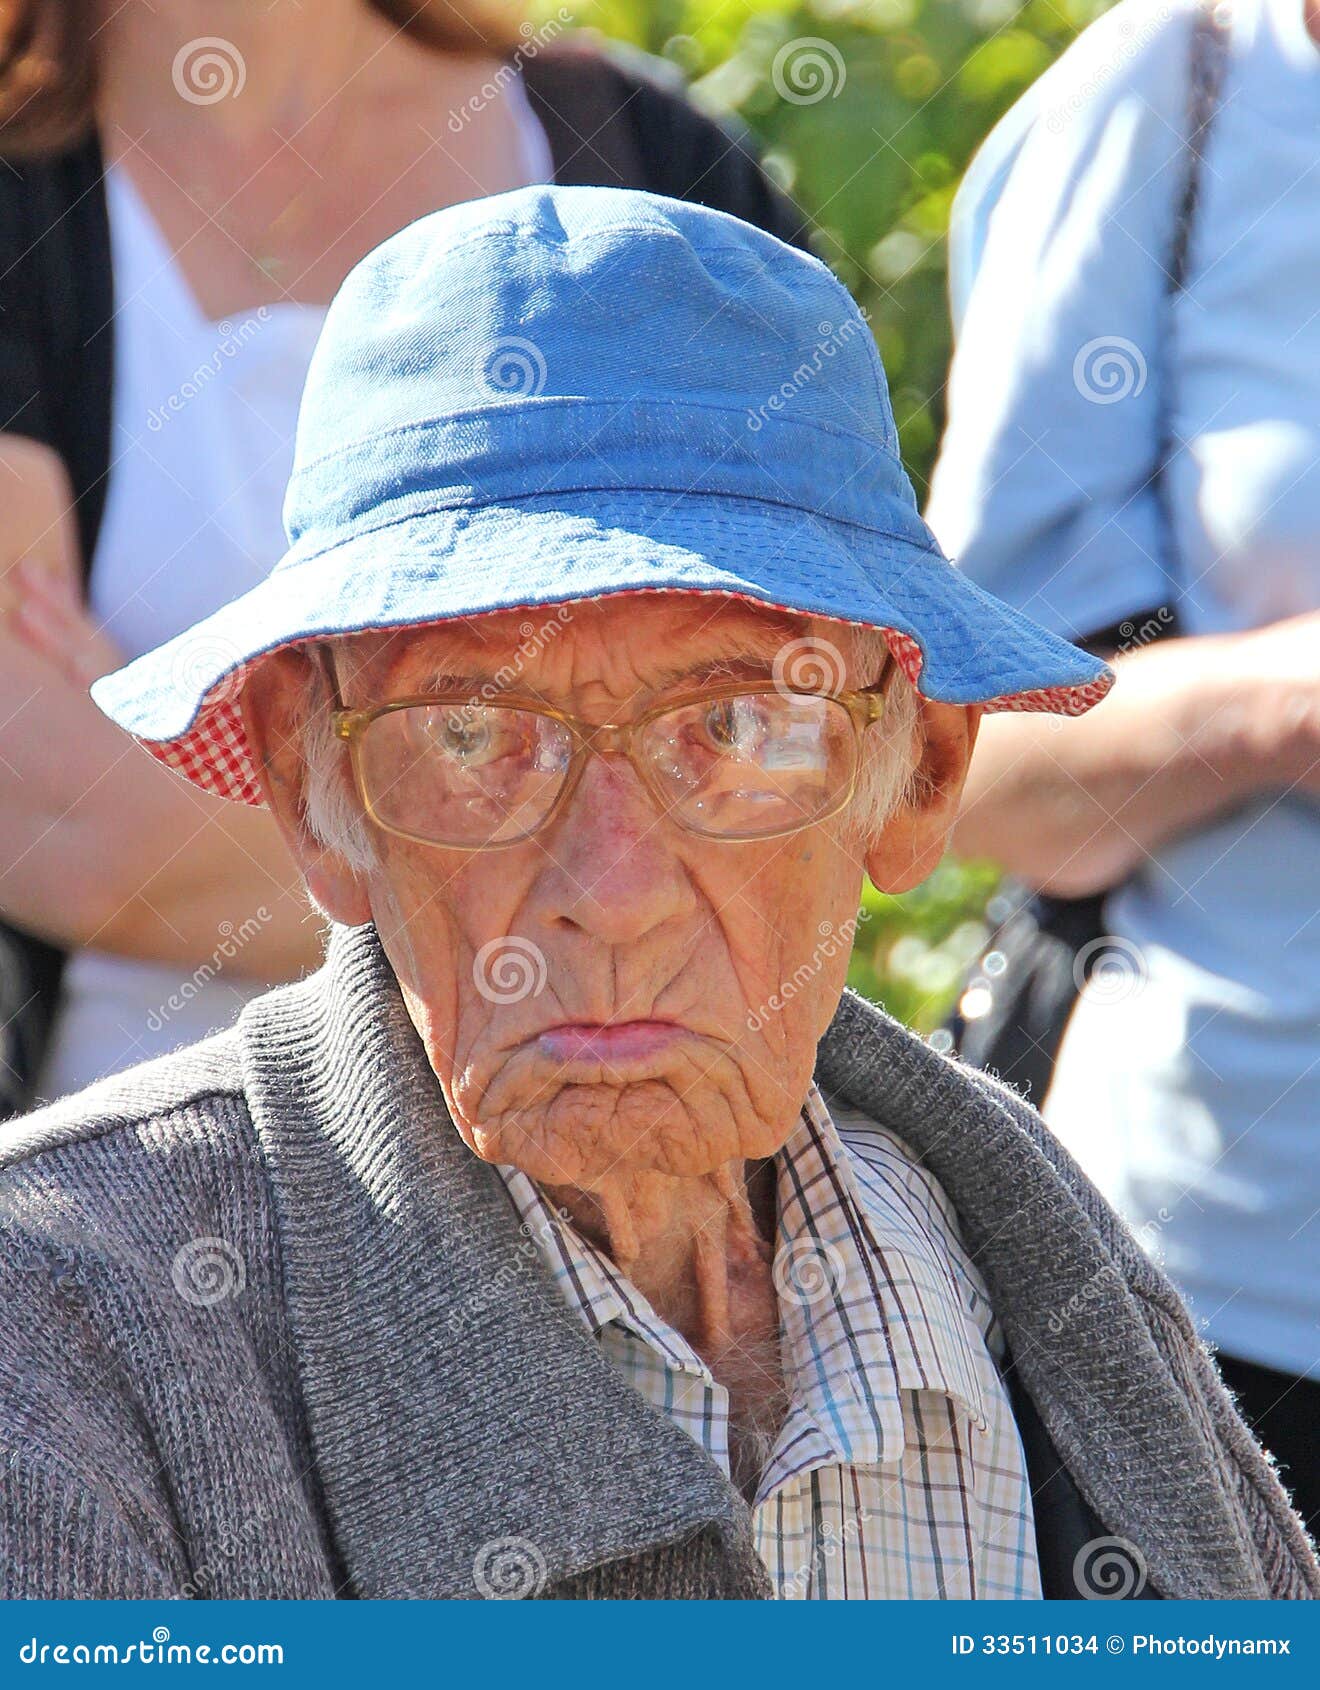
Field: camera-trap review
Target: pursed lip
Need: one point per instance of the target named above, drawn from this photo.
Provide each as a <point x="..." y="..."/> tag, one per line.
<point x="613" y="1042"/>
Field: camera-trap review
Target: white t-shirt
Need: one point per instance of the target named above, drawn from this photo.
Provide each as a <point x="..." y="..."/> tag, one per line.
<point x="203" y="417"/>
<point x="1189" y="1086"/>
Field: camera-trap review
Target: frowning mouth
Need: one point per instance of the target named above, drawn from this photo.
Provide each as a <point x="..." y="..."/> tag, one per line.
<point x="613" y="1042"/>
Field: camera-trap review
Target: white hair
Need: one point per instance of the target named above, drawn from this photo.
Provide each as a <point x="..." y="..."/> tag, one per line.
<point x="332" y="809"/>
<point x="891" y="753"/>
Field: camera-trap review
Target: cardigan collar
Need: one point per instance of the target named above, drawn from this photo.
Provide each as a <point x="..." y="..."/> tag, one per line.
<point x="469" y="1436"/>
<point x="454" y="1402"/>
<point x="1078" y="1301"/>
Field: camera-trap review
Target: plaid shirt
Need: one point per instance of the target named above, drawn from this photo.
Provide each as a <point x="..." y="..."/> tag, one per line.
<point x="899" y="1471"/>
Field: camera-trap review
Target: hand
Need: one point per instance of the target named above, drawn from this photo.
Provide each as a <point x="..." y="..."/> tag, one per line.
<point x="46" y="613"/>
<point x="1273" y="700"/>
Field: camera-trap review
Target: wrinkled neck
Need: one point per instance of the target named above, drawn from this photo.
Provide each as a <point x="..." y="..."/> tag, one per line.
<point x="698" y="1248"/>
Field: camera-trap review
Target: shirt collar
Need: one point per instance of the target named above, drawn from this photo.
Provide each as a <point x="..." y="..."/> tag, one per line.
<point x="869" y="1296"/>
<point x="588" y="1280"/>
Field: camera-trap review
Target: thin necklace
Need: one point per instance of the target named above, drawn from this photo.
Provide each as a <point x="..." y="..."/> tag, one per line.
<point x="263" y="251"/>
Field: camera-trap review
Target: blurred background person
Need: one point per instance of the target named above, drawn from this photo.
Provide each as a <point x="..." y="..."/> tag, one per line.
<point x="1124" y="460"/>
<point x="185" y="184"/>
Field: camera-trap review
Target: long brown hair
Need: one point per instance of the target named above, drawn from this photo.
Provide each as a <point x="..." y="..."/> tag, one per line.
<point x="48" y="59"/>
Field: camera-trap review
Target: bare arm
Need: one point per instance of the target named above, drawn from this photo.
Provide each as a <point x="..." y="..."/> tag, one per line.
<point x="100" y="845"/>
<point x="1194" y="727"/>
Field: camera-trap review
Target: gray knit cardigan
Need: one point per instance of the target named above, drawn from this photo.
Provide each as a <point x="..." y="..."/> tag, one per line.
<point x="268" y="1329"/>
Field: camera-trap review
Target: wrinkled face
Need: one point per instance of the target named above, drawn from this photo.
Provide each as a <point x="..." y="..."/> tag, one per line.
<point x="615" y="992"/>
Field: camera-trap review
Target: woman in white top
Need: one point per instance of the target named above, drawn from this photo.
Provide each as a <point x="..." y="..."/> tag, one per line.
<point x="252" y="156"/>
<point x="1191" y="1089"/>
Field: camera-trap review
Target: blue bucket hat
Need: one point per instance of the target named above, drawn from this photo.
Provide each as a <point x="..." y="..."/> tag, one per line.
<point x="563" y="393"/>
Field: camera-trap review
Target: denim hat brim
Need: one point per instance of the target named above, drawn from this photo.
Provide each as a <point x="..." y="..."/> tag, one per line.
<point x="955" y="642"/>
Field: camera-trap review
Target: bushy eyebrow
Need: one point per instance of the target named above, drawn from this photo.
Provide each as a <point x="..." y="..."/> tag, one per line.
<point x="751" y="666"/>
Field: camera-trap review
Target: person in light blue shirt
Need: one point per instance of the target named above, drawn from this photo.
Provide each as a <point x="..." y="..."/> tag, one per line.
<point x="1122" y="459"/>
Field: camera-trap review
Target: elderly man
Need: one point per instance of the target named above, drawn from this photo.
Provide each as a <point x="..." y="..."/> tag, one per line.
<point x="567" y="1234"/>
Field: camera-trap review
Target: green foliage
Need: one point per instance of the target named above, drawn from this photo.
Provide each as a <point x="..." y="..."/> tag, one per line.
<point x="868" y="112"/>
<point x="910" y="952"/>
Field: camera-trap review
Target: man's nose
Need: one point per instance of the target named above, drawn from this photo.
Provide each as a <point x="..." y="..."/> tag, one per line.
<point x="611" y="870"/>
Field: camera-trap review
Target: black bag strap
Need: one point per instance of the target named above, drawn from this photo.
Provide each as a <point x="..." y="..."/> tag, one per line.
<point x="56" y="350"/>
<point x="1208" y="59"/>
<point x="1211" y="31"/>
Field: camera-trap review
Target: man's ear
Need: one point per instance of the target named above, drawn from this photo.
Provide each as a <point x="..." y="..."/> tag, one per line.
<point x="913" y="840"/>
<point x="274" y="705"/>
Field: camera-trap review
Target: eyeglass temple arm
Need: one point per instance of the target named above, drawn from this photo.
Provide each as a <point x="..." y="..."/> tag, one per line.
<point x="876" y="694"/>
<point x="324" y="655"/>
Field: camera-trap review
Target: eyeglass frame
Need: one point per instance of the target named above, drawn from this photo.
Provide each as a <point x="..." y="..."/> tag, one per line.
<point x="865" y="707"/>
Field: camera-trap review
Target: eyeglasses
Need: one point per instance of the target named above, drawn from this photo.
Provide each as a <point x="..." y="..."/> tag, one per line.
<point x="734" y="761"/>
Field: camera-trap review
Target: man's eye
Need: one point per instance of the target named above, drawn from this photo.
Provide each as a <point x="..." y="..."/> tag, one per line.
<point x="734" y="724"/>
<point x="461" y="735"/>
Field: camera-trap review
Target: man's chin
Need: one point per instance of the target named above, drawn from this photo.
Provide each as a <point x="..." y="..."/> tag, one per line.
<point x="588" y="1132"/>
